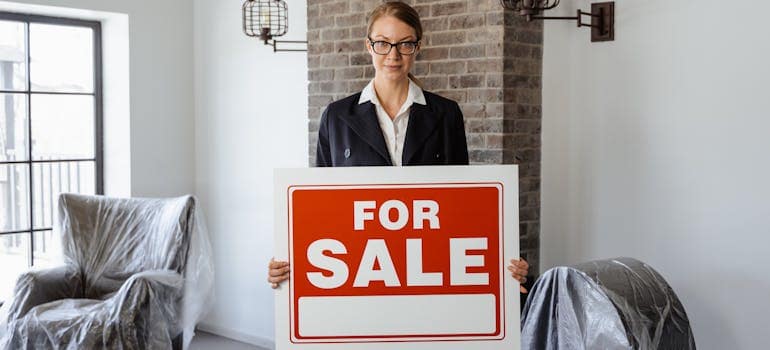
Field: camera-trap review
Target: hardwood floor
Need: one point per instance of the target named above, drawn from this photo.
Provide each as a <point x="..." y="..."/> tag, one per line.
<point x="208" y="341"/>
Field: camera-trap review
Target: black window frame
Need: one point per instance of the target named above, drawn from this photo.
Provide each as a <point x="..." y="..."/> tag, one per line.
<point x="97" y="93"/>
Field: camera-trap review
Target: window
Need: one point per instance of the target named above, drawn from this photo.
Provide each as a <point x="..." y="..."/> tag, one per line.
<point x="50" y="132"/>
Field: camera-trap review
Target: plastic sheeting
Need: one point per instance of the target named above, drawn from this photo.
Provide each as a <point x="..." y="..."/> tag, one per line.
<point x="619" y="303"/>
<point x="138" y="274"/>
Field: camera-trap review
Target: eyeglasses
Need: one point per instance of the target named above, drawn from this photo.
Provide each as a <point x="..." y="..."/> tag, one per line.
<point x="404" y="47"/>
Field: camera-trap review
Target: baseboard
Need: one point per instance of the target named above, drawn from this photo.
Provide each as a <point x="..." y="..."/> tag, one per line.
<point x="237" y="335"/>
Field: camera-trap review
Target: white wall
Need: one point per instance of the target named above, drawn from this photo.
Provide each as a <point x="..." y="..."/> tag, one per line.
<point x="161" y="90"/>
<point x="655" y="146"/>
<point x="251" y="117"/>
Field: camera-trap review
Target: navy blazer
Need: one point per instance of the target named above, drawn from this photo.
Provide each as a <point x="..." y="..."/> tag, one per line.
<point x="350" y="134"/>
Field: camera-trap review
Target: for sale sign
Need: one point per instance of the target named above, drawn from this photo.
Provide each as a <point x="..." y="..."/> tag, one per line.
<point x="397" y="258"/>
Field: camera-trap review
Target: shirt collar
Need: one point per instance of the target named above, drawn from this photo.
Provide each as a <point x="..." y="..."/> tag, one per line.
<point x="415" y="94"/>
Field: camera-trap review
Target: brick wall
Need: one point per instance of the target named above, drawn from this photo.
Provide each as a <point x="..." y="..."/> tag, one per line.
<point x="473" y="52"/>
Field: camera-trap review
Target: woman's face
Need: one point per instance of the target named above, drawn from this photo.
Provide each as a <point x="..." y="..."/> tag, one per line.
<point x="393" y="66"/>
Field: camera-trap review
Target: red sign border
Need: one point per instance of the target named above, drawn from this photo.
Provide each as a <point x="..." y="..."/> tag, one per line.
<point x="400" y="338"/>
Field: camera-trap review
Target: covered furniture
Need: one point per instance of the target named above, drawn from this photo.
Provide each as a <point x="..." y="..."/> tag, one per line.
<point x="618" y="303"/>
<point x="137" y="274"/>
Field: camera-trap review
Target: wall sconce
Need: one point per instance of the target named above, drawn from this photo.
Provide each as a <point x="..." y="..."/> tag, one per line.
<point x="267" y="19"/>
<point x="602" y="15"/>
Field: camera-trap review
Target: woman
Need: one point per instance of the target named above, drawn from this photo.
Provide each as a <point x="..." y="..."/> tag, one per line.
<point x="392" y="121"/>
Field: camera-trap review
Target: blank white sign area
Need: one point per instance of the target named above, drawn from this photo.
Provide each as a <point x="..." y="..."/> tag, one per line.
<point x="430" y="315"/>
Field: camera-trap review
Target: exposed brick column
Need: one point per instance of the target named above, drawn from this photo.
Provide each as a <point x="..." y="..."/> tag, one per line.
<point x="522" y="90"/>
<point x="487" y="60"/>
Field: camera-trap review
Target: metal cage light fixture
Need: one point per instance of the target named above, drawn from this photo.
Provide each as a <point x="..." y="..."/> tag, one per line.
<point x="266" y="20"/>
<point x="529" y="7"/>
<point x="602" y="15"/>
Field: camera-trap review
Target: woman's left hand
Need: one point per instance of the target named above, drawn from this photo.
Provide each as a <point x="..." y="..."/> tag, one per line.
<point x="519" y="270"/>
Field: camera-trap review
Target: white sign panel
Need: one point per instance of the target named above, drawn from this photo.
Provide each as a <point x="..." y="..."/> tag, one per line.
<point x="397" y="258"/>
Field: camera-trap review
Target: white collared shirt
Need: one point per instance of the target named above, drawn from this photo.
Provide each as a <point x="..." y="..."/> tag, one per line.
<point x="394" y="130"/>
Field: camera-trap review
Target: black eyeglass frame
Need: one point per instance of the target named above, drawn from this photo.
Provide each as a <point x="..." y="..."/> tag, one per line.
<point x="397" y="45"/>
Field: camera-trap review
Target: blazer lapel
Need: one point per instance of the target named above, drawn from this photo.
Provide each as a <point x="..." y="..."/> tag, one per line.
<point x="364" y="123"/>
<point x="421" y="125"/>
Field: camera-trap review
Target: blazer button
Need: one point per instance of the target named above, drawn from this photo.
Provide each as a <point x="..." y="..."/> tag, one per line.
<point x="347" y="152"/>
<point x="438" y="155"/>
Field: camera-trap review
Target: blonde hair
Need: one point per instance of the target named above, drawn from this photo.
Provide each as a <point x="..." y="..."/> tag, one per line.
<point x="403" y="13"/>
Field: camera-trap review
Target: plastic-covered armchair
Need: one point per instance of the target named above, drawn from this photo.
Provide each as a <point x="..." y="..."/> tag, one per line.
<point x="619" y="303"/>
<point x="138" y="274"/>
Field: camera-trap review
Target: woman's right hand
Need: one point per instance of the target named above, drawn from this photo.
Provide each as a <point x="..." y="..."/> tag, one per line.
<point x="278" y="271"/>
